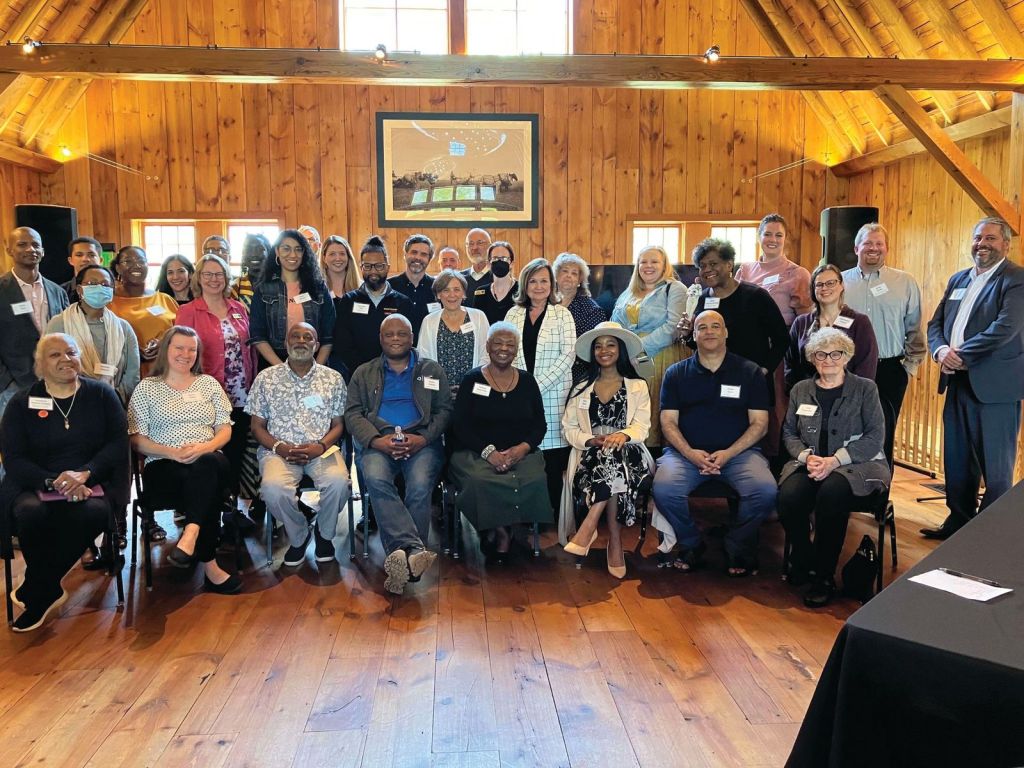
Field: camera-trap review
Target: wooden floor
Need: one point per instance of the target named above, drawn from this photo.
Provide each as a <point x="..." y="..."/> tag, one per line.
<point x="534" y="663"/>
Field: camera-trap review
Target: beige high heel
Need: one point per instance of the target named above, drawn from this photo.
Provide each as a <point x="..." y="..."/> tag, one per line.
<point x="575" y="549"/>
<point x="618" y="571"/>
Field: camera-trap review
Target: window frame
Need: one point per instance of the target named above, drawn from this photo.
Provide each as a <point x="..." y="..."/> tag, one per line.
<point x="689" y="233"/>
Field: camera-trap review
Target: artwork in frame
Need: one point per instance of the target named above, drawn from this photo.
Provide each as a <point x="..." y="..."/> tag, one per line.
<point x="456" y="170"/>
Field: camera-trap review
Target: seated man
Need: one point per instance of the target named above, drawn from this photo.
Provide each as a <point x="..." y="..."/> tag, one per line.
<point x="398" y="407"/>
<point x="714" y="410"/>
<point x="296" y="410"/>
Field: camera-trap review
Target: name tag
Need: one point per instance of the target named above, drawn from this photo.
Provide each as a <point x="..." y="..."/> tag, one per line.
<point x="585" y="403"/>
<point x="771" y="280"/>
<point x="329" y="452"/>
<point x="22" y="308"/>
<point x="958" y="294"/>
<point x="236" y="315"/>
<point x="429" y="382"/>
<point x="712" y="302"/>
<point x="480" y="292"/>
<point x="302" y="298"/>
<point x="105" y="369"/>
<point x="728" y="390"/>
<point x="434" y="306"/>
<point x="618" y="485"/>
<point x="482" y="389"/>
<point x="807" y="409"/>
<point x="193" y="397"/>
<point x="312" y="401"/>
<point x="360" y="309"/>
<point x="40" y="403"/>
<point x="880" y="289"/>
<point x="843" y="322"/>
<point x="466" y="327"/>
<point x="156" y="311"/>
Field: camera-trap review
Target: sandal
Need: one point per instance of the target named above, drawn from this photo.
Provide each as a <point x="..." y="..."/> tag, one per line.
<point x="738" y="568"/>
<point x="156" y="533"/>
<point x="690" y="560"/>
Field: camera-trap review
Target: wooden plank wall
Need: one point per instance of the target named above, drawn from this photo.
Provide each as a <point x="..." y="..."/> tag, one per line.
<point x="930" y="221"/>
<point x="307" y="152"/>
<point x="17" y="186"/>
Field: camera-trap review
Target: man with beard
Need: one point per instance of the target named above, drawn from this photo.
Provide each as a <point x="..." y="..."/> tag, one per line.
<point x="478" y="275"/>
<point x="398" y="408"/>
<point x="415" y="283"/>
<point x="977" y="337"/>
<point x="297" y="409"/>
<point x="27" y="302"/>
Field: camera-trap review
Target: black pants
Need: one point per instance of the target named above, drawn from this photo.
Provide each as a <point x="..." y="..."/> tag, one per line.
<point x="196" y="490"/>
<point x="892" y="380"/>
<point x="830" y="501"/>
<point x="235" y="449"/>
<point x="53" y="535"/>
<point x="556" y="460"/>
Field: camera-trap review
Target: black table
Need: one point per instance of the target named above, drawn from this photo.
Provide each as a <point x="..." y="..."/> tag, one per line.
<point x="921" y="677"/>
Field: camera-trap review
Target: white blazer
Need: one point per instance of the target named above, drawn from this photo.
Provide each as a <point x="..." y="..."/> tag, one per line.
<point x="427" y="346"/>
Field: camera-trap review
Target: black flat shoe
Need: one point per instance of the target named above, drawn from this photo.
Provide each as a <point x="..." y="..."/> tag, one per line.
<point x="820" y="594"/>
<point x="102" y="563"/>
<point x="940" y="533"/>
<point x="181" y="559"/>
<point x="231" y="586"/>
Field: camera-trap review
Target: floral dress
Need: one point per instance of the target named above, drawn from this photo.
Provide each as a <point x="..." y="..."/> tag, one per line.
<point x="454" y="352"/>
<point x="622" y="472"/>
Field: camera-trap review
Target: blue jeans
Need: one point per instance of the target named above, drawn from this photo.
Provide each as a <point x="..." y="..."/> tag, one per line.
<point x="748" y="474"/>
<point x="402" y="525"/>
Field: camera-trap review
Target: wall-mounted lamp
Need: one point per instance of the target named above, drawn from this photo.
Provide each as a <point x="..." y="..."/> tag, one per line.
<point x="712" y="54"/>
<point x="65" y="151"/>
<point x="29" y="46"/>
<point x="380" y="53"/>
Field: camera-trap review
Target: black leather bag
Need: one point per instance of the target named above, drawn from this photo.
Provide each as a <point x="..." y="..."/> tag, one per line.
<point x="860" y="571"/>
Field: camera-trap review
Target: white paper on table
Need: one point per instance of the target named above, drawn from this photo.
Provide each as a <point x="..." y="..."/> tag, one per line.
<point x="972" y="590"/>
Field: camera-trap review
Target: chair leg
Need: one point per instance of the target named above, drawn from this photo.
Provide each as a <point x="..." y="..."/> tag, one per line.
<point x="536" y="540"/>
<point x="367" y="511"/>
<point x="135" y="532"/>
<point x="147" y="555"/>
<point x="456" y="533"/>
<point x="891" y="516"/>
<point x="351" y="527"/>
<point x="446" y="529"/>
<point x="879" y="577"/>
<point x="8" y="588"/>
<point x="115" y="566"/>
<point x="268" y="526"/>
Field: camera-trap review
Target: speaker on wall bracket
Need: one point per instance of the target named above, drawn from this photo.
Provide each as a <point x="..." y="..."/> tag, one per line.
<point x="57" y="225"/>
<point x="839" y="226"/>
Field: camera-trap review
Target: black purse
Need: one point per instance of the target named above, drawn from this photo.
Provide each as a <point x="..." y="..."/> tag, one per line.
<point x="860" y="571"/>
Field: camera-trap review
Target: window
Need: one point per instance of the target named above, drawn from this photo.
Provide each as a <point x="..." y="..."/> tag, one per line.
<point x="742" y="237"/>
<point x="402" y="25"/>
<point x="666" y="237"/>
<point x="512" y="27"/>
<point x="679" y="238"/>
<point x="238" y="230"/>
<point x="161" y="239"/>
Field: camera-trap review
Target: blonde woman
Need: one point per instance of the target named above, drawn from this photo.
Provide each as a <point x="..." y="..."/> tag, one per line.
<point x="338" y="268"/>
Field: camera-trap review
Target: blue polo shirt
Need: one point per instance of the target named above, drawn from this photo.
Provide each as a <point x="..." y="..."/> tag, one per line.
<point x="397" y="405"/>
<point x="713" y="405"/>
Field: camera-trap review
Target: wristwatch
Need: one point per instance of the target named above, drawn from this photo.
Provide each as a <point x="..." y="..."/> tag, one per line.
<point x="274" y="448"/>
<point x="486" y="452"/>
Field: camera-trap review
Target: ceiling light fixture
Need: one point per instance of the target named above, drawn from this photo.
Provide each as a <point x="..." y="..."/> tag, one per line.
<point x="30" y="45"/>
<point x="380" y="53"/>
<point x="712" y="54"/>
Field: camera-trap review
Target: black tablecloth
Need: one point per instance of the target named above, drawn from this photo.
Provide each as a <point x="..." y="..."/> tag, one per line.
<point x="921" y="677"/>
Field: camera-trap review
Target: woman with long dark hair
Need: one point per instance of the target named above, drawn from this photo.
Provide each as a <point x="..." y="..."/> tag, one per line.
<point x="607" y="418"/>
<point x="175" y="278"/>
<point x="292" y="291"/>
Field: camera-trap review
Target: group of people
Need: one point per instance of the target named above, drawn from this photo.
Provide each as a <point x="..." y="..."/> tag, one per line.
<point x="784" y="385"/>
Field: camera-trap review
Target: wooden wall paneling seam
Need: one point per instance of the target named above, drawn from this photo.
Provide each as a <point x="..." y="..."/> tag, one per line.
<point x="282" y="151"/>
<point x="231" y="142"/>
<point x="103" y="178"/>
<point x="308" y="178"/>
<point x="652" y="151"/>
<point x="675" y="140"/>
<point x="554" y="176"/>
<point x="153" y="133"/>
<point x="206" y="143"/>
<point x="1015" y="167"/>
<point x="334" y="179"/>
<point x="128" y="148"/>
<point x="653" y="26"/>
<point x="603" y="190"/>
<point x="579" y="170"/>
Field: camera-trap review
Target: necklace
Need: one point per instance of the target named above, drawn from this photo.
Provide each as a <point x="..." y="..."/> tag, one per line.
<point x="65" y="414"/>
<point x="494" y="382"/>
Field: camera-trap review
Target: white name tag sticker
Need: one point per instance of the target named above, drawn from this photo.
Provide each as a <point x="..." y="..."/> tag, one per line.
<point x="434" y="306"/>
<point x="712" y="302"/>
<point x="236" y="315"/>
<point x="106" y="369"/>
<point x="360" y="309"/>
<point x="429" y="382"/>
<point x="729" y="390"/>
<point x="157" y="310"/>
<point x="22" y="308"/>
<point x="774" y="279"/>
<point x="302" y="298"/>
<point x="480" y="292"/>
<point x="958" y="294"/>
<point x="843" y="322"/>
<point x="40" y="403"/>
<point x="329" y="452"/>
<point x="482" y="389"/>
<point x="193" y="397"/>
<point x="312" y="401"/>
<point x="618" y="485"/>
<point x="807" y="409"/>
<point x="466" y="327"/>
<point x="585" y="403"/>
<point x="880" y="290"/>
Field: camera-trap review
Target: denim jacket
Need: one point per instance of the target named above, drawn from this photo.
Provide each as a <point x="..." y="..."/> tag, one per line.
<point x="268" y="318"/>
<point x="659" y="313"/>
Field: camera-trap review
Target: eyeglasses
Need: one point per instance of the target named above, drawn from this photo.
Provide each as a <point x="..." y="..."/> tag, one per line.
<point x="379" y="267"/>
<point x="826" y="284"/>
<point x="835" y="354"/>
<point x="212" y="275"/>
<point x="217" y="251"/>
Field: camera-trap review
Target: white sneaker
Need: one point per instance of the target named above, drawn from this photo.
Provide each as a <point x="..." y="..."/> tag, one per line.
<point x="420" y="562"/>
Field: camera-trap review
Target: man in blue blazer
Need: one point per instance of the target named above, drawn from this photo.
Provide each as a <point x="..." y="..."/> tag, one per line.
<point x="977" y="337"/>
<point x="27" y="302"/>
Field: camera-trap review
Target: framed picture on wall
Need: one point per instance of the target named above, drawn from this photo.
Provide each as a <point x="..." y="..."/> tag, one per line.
<point x="455" y="170"/>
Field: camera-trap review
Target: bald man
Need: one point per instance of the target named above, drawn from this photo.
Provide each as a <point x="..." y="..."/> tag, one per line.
<point x="398" y="407"/>
<point x="714" y="411"/>
<point x="27" y="302"/>
<point x="479" y="274"/>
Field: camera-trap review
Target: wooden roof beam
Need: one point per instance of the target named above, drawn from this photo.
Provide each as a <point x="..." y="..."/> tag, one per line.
<point x="26" y="20"/>
<point x="12" y="153"/>
<point x="948" y="155"/>
<point x="1003" y="27"/>
<point x="1016" y="176"/>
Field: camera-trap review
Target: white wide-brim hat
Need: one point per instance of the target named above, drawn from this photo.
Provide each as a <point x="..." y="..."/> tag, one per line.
<point x="634" y="347"/>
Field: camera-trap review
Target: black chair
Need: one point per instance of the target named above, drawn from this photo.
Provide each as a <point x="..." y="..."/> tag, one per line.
<point x="451" y="523"/>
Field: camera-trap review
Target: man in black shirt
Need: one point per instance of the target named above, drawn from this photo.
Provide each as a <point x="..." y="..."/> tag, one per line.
<point x="415" y="283"/>
<point x="479" y="274"/>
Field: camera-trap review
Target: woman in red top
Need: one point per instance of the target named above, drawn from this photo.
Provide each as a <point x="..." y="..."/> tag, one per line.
<point x="222" y="324"/>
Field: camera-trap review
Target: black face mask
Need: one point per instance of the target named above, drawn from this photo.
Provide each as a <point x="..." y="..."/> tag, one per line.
<point x="500" y="268"/>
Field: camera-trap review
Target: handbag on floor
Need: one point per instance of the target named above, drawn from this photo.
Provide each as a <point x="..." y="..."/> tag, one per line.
<point x="860" y="570"/>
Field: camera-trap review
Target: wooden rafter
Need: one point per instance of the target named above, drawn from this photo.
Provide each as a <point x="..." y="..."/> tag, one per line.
<point x="26" y="20"/>
<point x="947" y="154"/>
<point x="12" y="153"/>
<point x="1003" y="27"/>
<point x="1016" y="163"/>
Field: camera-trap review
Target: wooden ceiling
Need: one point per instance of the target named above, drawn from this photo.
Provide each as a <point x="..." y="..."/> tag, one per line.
<point x="862" y="124"/>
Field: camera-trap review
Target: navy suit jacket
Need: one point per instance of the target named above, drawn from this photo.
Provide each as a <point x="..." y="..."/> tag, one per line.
<point x="993" y="348"/>
<point x="18" y="334"/>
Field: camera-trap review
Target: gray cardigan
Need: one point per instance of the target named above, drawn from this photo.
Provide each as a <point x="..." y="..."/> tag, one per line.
<point x="366" y="389"/>
<point x="857" y="432"/>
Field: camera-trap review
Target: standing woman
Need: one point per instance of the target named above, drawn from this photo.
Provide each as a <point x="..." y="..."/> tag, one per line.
<point x="547" y="352"/>
<point x="292" y="292"/>
<point x="337" y="266"/>
<point x="498" y="297"/>
<point x="650" y="308"/>
<point x="455" y="335"/>
<point x="255" y="249"/>
<point x="150" y="314"/>
<point x="176" y="278"/>
<point x="222" y="325"/>
<point x="109" y="351"/>
<point x="572" y="276"/>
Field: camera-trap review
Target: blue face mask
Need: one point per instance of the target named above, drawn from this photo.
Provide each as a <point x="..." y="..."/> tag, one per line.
<point x="97" y="296"/>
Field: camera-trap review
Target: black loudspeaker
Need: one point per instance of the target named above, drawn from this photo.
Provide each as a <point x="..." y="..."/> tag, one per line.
<point x="57" y="226"/>
<point x="839" y="226"/>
